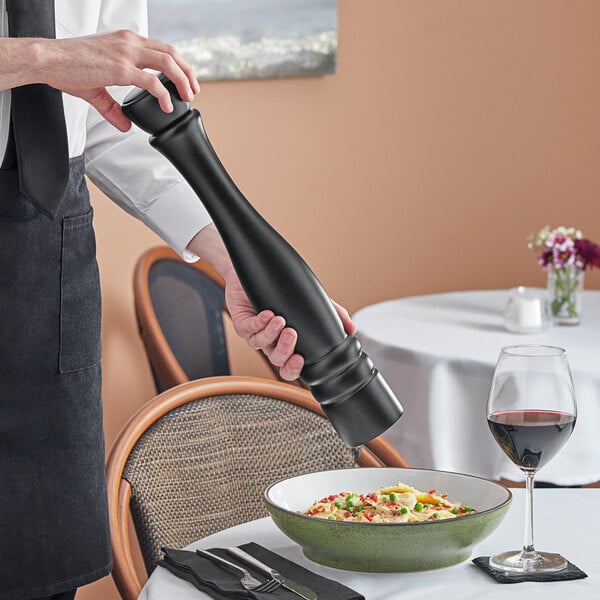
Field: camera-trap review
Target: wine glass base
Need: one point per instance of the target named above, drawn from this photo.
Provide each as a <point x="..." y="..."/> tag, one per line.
<point x="528" y="562"/>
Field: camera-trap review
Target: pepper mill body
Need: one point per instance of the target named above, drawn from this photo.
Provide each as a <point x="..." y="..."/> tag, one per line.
<point x="342" y="377"/>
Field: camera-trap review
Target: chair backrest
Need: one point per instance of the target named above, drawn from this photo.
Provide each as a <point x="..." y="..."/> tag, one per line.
<point x="179" y="307"/>
<point x="183" y="462"/>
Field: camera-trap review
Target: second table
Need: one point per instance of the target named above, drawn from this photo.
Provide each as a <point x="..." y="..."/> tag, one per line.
<point x="438" y="354"/>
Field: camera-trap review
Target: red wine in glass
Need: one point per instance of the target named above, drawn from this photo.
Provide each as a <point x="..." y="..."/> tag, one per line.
<point x="530" y="438"/>
<point x="531" y="412"/>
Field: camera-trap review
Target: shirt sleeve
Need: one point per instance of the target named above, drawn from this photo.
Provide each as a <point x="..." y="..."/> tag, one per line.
<point x="128" y="170"/>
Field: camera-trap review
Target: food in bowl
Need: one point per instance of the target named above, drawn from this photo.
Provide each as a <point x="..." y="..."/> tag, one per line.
<point x="386" y="547"/>
<point x="398" y="503"/>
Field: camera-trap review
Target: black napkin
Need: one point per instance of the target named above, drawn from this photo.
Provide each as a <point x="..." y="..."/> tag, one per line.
<point x="221" y="584"/>
<point x="569" y="572"/>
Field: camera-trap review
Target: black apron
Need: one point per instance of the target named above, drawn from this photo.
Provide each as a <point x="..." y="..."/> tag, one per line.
<point x="53" y="510"/>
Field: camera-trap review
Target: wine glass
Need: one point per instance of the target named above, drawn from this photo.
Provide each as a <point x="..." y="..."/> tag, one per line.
<point x="531" y="413"/>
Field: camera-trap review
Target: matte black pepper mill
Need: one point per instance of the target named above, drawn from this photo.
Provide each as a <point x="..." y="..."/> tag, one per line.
<point x="353" y="394"/>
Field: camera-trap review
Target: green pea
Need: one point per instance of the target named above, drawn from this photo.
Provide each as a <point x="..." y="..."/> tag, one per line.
<point x="419" y="507"/>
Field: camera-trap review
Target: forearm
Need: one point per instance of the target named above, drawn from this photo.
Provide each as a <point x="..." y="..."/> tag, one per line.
<point x="22" y="62"/>
<point x="208" y="245"/>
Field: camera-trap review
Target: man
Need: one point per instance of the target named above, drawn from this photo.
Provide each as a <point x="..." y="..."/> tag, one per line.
<point x="53" y="506"/>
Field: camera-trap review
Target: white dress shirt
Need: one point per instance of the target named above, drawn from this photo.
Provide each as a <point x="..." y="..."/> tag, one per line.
<point x="123" y="165"/>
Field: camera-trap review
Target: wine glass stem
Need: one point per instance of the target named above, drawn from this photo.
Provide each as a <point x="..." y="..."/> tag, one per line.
<point x="528" y="547"/>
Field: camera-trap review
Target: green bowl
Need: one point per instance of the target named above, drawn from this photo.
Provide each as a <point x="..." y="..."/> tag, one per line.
<point x="387" y="547"/>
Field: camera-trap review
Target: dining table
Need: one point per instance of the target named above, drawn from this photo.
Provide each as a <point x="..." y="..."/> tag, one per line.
<point x="565" y="523"/>
<point x="438" y="352"/>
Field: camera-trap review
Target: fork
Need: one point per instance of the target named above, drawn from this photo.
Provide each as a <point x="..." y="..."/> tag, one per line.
<point x="248" y="582"/>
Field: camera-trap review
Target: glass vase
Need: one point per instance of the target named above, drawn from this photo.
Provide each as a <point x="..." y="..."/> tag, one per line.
<point x="565" y="292"/>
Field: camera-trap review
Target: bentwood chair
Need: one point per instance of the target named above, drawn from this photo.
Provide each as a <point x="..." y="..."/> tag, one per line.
<point x="180" y="310"/>
<point x="185" y="461"/>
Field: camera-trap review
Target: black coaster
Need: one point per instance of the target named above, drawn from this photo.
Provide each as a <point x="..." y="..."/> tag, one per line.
<point x="569" y="572"/>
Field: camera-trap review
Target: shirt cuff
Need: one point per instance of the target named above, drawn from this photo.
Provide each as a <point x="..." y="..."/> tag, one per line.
<point x="177" y="215"/>
<point x="189" y="257"/>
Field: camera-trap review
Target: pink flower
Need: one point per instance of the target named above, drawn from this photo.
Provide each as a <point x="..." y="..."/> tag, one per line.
<point x="546" y="259"/>
<point x="588" y="252"/>
<point x="564" y="256"/>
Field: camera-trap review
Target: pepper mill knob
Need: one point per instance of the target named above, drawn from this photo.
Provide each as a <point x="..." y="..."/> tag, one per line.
<point x="144" y="110"/>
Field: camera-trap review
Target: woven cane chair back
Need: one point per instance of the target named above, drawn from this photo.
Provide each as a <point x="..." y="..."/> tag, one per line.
<point x="203" y="467"/>
<point x="197" y="459"/>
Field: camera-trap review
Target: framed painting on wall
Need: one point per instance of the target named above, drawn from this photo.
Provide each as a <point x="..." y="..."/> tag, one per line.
<point x="244" y="39"/>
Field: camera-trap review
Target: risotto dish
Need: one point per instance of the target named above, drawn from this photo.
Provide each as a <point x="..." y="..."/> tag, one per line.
<point x="399" y="503"/>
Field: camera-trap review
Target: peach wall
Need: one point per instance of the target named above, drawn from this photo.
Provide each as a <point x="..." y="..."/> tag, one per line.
<point x="451" y="130"/>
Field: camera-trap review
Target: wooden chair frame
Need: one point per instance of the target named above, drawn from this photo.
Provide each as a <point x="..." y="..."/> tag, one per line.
<point x="376" y="453"/>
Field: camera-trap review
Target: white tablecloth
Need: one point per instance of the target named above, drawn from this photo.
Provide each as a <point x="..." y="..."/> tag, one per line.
<point x="562" y="524"/>
<point x="438" y="354"/>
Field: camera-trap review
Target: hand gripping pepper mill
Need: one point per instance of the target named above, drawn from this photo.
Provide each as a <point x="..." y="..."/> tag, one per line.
<point x="351" y="391"/>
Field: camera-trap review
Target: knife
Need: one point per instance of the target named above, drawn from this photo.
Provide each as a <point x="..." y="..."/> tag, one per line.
<point x="286" y="582"/>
